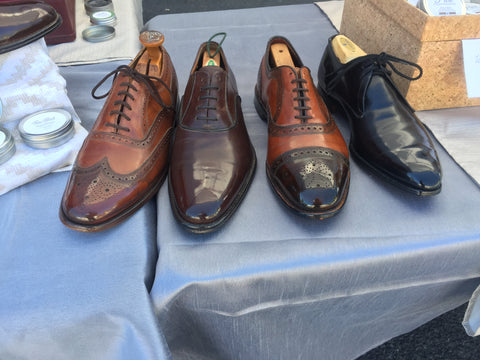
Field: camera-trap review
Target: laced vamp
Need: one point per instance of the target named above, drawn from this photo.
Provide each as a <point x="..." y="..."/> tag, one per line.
<point x="374" y="64"/>
<point x="301" y="98"/>
<point x="210" y="91"/>
<point x="210" y="99"/>
<point x="126" y="92"/>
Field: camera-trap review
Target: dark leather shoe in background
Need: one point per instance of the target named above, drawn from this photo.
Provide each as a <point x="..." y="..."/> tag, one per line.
<point x="23" y="22"/>
<point x="124" y="159"/>
<point x="307" y="161"/>
<point x="386" y="136"/>
<point x="213" y="160"/>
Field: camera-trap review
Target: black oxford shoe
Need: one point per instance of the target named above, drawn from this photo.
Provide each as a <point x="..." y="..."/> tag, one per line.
<point x="386" y="136"/>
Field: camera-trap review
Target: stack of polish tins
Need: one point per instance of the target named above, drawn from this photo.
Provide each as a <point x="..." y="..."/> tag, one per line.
<point x="103" y="19"/>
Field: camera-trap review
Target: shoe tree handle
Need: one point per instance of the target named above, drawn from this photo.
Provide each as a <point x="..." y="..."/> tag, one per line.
<point x="153" y="40"/>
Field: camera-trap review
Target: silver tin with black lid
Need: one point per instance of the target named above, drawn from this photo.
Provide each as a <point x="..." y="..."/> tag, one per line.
<point x="103" y="18"/>
<point x="98" y="33"/>
<point x="46" y="129"/>
<point x="92" y="6"/>
<point x="7" y="145"/>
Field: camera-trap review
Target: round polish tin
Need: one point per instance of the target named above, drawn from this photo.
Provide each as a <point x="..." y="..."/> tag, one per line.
<point x="92" y="6"/>
<point x="7" y="145"/>
<point x="98" y="33"/>
<point x="47" y="129"/>
<point x="103" y="18"/>
<point x="442" y="7"/>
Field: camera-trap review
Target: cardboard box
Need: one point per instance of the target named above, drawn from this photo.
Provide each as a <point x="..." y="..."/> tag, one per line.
<point x="434" y="42"/>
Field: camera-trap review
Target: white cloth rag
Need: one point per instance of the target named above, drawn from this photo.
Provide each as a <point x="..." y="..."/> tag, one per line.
<point x="30" y="82"/>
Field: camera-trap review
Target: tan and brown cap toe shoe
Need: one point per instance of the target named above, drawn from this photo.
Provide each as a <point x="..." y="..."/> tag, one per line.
<point x="307" y="159"/>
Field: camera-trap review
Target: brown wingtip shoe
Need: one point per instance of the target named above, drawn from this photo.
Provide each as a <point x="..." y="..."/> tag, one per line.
<point x="124" y="159"/>
<point x="307" y="160"/>
<point x="213" y="161"/>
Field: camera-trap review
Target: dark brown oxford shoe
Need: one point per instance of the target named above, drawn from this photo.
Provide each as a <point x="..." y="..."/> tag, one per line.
<point x="124" y="159"/>
<point x="23" y="22"/>
<point x="386" y="136"/>
<point x="307" y="160"/>
<point x="213" y="160"/>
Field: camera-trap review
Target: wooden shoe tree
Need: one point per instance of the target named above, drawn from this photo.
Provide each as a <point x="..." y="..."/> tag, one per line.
<point x="345" y="49"/>
<point x="150" y="62"/>
<point x="281" y="55"/>
<point x="210" y="61"/>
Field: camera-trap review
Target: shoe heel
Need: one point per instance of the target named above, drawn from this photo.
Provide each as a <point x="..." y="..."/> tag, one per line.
<point x="259" y="106"/>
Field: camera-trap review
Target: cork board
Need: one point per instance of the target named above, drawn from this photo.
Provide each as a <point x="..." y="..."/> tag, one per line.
<point x="435" y="43"/>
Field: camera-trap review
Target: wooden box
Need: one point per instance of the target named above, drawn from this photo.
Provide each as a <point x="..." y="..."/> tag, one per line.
<point x="434" y="42"/>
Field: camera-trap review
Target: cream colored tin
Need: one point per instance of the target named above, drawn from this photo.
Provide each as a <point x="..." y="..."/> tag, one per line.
<point x="47" y="129"/>
<point x="103" y="18"/>
<point x="7" y="145"/>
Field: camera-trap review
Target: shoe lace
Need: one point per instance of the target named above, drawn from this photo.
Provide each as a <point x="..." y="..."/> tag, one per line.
<point x="209" y="88"/>
<point x="209" y="105"/>
<point x="127" y="86"/>
<point x="302" y="99"/>
<point x="224" y="36"/>
<point x="373" y="64"/>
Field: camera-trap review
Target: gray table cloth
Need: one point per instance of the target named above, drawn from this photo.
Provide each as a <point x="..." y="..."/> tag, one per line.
<point x="269" y="284"/>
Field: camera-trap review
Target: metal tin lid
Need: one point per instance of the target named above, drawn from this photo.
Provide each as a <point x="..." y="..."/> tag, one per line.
<point x="92" y="6"/>
<point x="442" y="7"/>
<point x="103" y="18"/>
<point x="47" y="129"/>
<point x="7" y="145"/>
<point x="98" y="33"/>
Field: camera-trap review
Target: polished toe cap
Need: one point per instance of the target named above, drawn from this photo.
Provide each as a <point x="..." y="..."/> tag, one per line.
<point x="318" y="198"/>
<point x="92" y="199"/>
<point x="425" y="182"/>
<point x="313" y="181"/>
<point x="204" y="212"/>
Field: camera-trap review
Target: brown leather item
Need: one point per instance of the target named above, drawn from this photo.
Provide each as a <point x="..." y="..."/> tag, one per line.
<point x="307" y="160"/>
<point x="124" y="159"/>
<point x="23" y="22"/>
<point x="66" y="32"/>
<point x="213" y="160"/>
